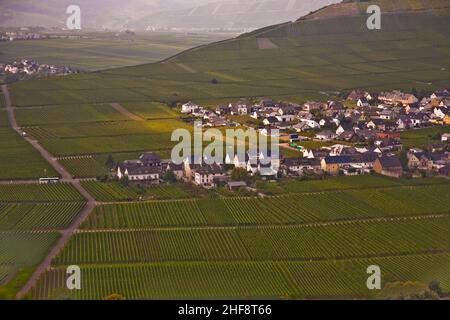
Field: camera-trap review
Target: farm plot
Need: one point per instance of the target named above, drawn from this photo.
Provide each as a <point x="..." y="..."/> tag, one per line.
<point x="154" y="245"/>
<point x="151" y="110"/>
<point x="334" y="206"/>
<point x="341" y="183"/>
<point x="188" y="280"/>
<point x="24" y="248"/>
<point x="148" y="214"/>
<point x="113" y="191"/>
<point x="18" y="159"/>
<point x="67" y="114"/>
<point x="38" y="216"/>
<point x="347" y="240"/>
<point x="39" y="193"/>
<point x="357" y="239"/>
<point x="275" y="210"/>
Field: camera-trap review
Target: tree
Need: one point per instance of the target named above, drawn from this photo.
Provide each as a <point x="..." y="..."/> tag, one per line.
<point x="435" y="286"/>
<point x="124" y="181"/>
<point x="239" y="174"/>
<point x="409" y="290"/>
<point x="215" y="81"/>
<point x="110" y="162"/>
<point x="170" y="176"/>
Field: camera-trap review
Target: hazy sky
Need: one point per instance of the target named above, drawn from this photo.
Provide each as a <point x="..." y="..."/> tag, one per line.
<point x="141" y="14"/>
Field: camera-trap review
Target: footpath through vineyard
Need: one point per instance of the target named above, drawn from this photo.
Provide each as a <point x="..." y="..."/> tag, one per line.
<point x="67" y="177"/>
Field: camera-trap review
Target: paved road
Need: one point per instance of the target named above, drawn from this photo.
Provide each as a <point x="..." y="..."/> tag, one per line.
<point x="67" y="177"/>
<point x="119" y="108"/>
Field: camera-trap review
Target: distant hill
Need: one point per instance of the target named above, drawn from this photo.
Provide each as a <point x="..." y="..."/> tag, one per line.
<point x="322" y="55"/>
<point x="95" y="14"/>
<point x="327" y="52"/>
<point x="233" y="14"/>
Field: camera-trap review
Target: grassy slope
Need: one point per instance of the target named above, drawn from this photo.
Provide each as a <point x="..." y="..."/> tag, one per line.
<point x="104" y="50"/>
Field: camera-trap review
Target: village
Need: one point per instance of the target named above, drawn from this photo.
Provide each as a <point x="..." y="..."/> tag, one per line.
<point x="356" y="136"/>
<point x="26" y="68"/>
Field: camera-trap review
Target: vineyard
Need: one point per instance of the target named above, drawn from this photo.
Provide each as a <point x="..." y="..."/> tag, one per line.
<point x="24" y="248"/>
<point x="341" y="183"/>
<point x="249" y="279"/>
<point x="48" y="216"/>
<point x="278" y="210"/>
<point x="113" y="191"/>
<point x="333" y="241"/>
<point x="39" y="193"/>
<point x="18" y="159"/>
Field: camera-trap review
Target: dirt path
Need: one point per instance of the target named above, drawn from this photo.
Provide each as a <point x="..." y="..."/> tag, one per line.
<point x="119" y="108"/>
<point x="67" y="177"/>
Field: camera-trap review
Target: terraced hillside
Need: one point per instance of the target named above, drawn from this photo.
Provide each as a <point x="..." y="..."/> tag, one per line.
<point x="301" y="245"/>
<point x="304" y="239"/>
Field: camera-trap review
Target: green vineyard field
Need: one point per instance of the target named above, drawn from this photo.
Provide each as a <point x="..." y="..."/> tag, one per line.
<point x="330" y="241"/>
<point x="38" y="216"/>
<point x="39" y="193"/>
<point x="278" y="210"/>
<point x="344" y="278"/>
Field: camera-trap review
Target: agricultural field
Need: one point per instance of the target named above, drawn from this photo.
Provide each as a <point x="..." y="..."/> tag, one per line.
<point x="38" y="216"/>
<point x="340" y="183"/>
<point x="18" y="159"/>
<point x="60" y="192"/>
<point x="423" y="137"/>
<point x="236" y="279"/>
<point x="114" y="191"/>
<point x="103" y="50"/>
<point x="31" y="218"/>
<point x="278" y="210"/>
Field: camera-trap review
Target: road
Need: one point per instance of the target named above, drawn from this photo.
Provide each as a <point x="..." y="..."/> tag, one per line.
<point x="67" y="177"/>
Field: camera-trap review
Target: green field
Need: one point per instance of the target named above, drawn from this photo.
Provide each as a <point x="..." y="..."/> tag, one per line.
<point x="279" y="210"/>
<point x="31" y="218"/>
<point x="242" y="279"/>
<point x="60" y="192"/>
<point x="300" y="239"/>
<point x="113" y="191"/>
<point x="18" y="159"/>
<point x="104" y="50"/>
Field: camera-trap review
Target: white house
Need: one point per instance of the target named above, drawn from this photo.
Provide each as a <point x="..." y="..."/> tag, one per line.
<point x="445" y="137"/>
<point x="188" y="107"/>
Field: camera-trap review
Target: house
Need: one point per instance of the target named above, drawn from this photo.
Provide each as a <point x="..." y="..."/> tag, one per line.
<point x="343" y="127"/>
<point x="286" y="117"/>
<point x="236" y="185"/>
<point x="388" y="166"/>
<point x="332" y="165"/>
<point x="299" y="166"/>
<point x="136" y="172"/>
<point x="240" y="109"/>
<point x="216" y="122"/>
<point x="326" y="135"/>
<point x="147" y="168"/>
<point x="270" y="132"/>
<point x="311" y="106"/>
<point x="363" y="102"/>
<point x="446" y="119"/>
<point x="445" y="171"/>
<point x="357" y="94"/>
<point x="189" y="107"/>
<point x="177" y="169"/>
<point x="397" y="97"/>
<point x="445" y="137"/>
<point x="270" y="121"/>
<point x="206" y="175"/>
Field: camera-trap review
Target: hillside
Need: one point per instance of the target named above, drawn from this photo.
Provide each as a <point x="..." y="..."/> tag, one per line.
<point x="232" y="14"/>
<point x="308" y="59"/>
